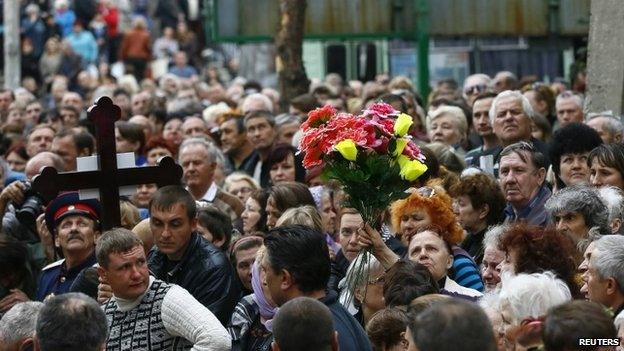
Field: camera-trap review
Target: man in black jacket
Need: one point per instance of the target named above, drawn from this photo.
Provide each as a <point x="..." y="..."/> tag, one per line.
<point x="184" y="257"/>
<point x="297" y="264"/>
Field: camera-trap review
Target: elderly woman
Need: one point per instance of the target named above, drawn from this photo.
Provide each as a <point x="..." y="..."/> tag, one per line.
<point x="524" y="301"/>
<point x="534" y="249"/>
<point x="480" y="204"/>
<point x="430" y="249"/>
<point x="240" y="184"/>
<point x="568" y="153"/>
<point x="431" y="206"/>
<point x="614" y="199"/>
<point x="606" y="165"/>
<point x="492" y="257"/>
<point x="367" y="295"/>
<point x="447" y="124"/>
<point x="577" y="209"/>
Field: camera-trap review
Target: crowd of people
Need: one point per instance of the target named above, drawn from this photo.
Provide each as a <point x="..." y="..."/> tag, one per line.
<point x="511" y="240"/>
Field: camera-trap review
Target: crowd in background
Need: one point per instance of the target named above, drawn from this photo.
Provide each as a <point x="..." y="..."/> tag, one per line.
<point x="511" y="240"/>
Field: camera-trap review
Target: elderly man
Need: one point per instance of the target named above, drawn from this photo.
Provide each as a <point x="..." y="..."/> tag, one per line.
<point x="75" y="226"/>
<point x="577" y="209"/>
<point x="198" y="159"/>
<point x="605" y="275"/>
<point x="287" y="278"/>
<point x="195" y="127"/>
<point x="569" y="108"/>
<point x="141" y="103"/>
<point x="17" y="326"/>
<point x="511" y="116"/>
<point x="614" y="199"/>
<point x="72" y="321"/>
<point x="504" y="80"/>
<point x="521" y="176"/>
<point x="235" y="145"/>
<point x="256" y="102"/>
<point x="260" y="129"/>
<point x="39" y="139"/>
<point x="608" y="126"/>
<point x="183" y="257"/>
<point x="474" y="85"/>
<point x="483" y="156"/>
<point x="165" y="315"/>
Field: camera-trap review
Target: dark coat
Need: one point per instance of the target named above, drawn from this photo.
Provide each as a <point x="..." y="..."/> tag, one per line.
<point x="204" y="271"/>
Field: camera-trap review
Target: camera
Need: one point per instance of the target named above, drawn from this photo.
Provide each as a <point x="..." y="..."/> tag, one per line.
<point x="31" y="208"/>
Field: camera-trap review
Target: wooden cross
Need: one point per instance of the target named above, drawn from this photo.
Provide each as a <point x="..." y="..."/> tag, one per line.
<point x="108" y="178"/>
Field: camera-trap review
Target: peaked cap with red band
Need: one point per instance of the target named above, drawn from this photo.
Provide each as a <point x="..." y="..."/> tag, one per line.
<point x="68" y="204"/>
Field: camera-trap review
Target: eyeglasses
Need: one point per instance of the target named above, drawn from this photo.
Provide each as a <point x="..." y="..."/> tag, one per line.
<point x="243" y="190"/>
<point x="475" y="89"/>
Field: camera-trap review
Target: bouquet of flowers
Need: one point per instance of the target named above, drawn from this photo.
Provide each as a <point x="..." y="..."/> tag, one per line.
<point x="371" y="155"/>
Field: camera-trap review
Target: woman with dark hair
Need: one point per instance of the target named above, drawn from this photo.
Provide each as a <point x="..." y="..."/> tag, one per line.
<point x="386" y="329"/>
<point x="285" y="165"/>
<point x="569" y="149"/>
<point x="16" y="156"/>
<point x="534" y="249"/>
<point x="129" y="137"/>
<point x="284" y="196"/>
<point x="254" y="216"/>
<point x="480" y="204"/>
<point x="606" y="164"/>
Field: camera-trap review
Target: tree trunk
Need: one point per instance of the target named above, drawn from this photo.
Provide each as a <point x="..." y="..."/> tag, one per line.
<point x="293" y="80"/>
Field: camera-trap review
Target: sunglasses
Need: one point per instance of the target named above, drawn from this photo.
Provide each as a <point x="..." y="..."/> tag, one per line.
<point x="475" y="89"/>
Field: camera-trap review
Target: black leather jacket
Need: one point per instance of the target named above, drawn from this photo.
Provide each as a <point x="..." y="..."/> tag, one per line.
<point x="205" y="272"/>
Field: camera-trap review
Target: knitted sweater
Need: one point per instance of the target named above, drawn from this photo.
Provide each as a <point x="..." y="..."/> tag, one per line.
<point x="167" y="313"/>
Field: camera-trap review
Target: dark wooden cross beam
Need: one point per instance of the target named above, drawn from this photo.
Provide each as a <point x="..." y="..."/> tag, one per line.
<point x="108" y="178"/>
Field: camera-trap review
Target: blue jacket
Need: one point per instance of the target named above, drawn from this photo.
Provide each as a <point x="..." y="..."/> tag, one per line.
<point x="57" y="279"/>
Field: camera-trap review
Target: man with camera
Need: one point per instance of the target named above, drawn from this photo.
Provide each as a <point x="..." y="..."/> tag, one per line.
<point x="74" y="225"/>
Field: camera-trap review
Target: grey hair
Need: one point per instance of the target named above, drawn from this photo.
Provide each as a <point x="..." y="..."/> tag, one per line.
<point x="526" y="105"/>
<point x="613" y="125"/>
<point x="570" y="95"/>
<point x="614" y="199"/>
<point x="212" y="151"/>
<point x="365" y="262"/>
<point x="608" y="258"/>
<point x="268" y="104"/>
<point x="286" y="118"/>
<point x="531" y="295"/>
<point x="19" y="322"/>
<point x="493" y="235"/>
<point x="457" y="113"/>
<point x="584" y="200"/>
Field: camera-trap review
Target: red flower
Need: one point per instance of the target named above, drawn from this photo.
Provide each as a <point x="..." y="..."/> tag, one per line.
<point x="381" y="109"/>
<point x="318" y="117"/>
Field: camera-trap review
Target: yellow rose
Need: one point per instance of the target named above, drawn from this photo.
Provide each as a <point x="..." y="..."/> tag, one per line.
<point x="403" y="124"/>
<point x="412" y="169"/>
<point x="400" y="146"/>
<point x="347" y="149"/>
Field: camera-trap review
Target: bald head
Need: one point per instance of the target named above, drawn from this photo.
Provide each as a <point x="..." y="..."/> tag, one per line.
<point x="43" y="159"/>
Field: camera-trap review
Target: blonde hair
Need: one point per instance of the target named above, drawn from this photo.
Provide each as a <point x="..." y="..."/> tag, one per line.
<point x="453" y="111"/>
<point x="306" y="215"/>
<point x="129" y="214"/>
<point x="237" y="177"/>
